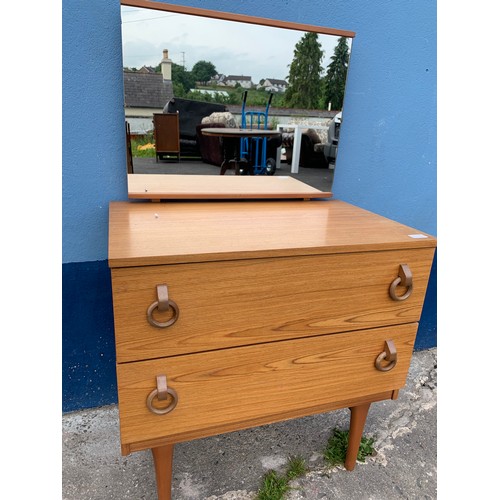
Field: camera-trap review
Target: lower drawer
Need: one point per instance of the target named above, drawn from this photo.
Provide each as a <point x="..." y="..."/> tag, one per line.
<point x="230" y="389"/>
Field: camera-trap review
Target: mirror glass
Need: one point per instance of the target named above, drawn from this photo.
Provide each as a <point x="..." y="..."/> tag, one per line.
<point x="216" y="73"/>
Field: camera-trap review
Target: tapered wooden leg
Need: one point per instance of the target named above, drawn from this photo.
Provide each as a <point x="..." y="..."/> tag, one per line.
<point x="163" y="457"/>
<point x="358" y="419"/>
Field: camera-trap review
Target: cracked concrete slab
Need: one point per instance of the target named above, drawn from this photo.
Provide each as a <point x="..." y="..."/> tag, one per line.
<point x="231" y="466"/>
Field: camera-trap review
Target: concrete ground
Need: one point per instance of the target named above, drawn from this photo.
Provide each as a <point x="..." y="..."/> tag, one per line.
<point x="231" y="466"/>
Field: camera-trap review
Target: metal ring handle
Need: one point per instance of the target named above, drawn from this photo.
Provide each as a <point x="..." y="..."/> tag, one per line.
<point x="378" y="363"/>
<point x="161" y="411"/>
<point x="159" y="324"/>
<point x="394" y="285"/>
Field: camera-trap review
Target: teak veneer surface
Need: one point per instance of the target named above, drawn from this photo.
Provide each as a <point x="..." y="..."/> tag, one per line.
<point x="175" y="186"/>
<point x="231" y="387"/>
<point x="242" y="18"/>
<point x="240" y="302"/>
<point x="144" y="233"/>
<point x="240" y="132"/>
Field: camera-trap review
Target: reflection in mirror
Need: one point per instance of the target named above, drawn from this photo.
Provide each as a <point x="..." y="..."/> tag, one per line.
<point x="187" y="74"/>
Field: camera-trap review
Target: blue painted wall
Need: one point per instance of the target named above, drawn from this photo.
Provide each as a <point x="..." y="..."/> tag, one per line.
<point x="386" y="164"/>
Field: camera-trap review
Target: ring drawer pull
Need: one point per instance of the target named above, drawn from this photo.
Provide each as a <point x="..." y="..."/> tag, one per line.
<point x="161" y="393"/>
<point x="162" y="304"/>
<point x="405" y="279"/>
<point x="389" y="355"/>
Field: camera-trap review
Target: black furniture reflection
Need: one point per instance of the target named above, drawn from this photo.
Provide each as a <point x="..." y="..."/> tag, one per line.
<point x="310" y="155"/>
<point x="190" y="115"/>
<point x="211" y="150"/>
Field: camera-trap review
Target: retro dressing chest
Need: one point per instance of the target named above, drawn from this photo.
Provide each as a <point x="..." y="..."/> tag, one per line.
<point x="234" y="314"/>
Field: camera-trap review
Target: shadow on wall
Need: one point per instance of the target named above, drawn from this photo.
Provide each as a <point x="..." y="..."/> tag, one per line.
<point x="427" y="327"/>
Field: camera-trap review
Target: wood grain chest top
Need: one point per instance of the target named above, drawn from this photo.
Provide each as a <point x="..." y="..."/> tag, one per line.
<point x="178" y="232"/>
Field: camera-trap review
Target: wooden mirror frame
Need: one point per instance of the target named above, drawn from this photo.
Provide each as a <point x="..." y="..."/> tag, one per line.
<point x="158" y="186"/>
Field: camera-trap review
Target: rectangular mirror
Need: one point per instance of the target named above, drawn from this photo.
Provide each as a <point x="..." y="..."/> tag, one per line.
<point x="220" y="105"/>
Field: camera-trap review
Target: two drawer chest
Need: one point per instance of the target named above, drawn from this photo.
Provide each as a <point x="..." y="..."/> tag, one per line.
<point x="234" y="314"/>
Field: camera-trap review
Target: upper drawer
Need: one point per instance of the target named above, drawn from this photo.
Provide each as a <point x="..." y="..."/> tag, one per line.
<point x="233" y="303"/>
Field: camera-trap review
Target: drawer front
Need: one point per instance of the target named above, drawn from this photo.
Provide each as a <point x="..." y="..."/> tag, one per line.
<point x="247" y="386"/>
<point x="235" y="303"/>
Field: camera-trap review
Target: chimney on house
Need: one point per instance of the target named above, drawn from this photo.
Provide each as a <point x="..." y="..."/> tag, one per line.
<point x="166" y="66"/>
